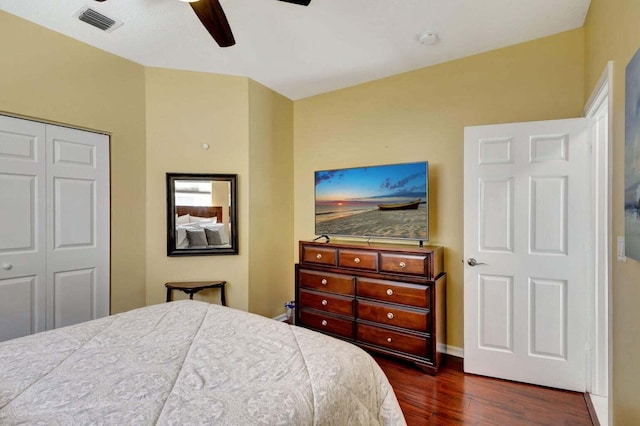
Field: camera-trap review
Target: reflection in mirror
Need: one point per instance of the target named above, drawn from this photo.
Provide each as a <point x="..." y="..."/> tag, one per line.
<point x="201" y="214"/>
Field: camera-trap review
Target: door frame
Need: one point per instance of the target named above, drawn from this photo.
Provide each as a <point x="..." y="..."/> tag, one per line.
<point x="600" y="311"/>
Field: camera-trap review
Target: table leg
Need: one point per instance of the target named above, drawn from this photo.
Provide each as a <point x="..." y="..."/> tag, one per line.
<point x="223" y="298"/>
<point x="168" y="294"/>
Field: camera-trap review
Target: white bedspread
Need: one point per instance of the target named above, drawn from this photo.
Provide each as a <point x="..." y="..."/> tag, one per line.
<point x="189" y="362"/>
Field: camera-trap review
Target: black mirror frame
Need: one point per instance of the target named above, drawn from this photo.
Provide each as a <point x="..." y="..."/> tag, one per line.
<point x="171" y="208"/>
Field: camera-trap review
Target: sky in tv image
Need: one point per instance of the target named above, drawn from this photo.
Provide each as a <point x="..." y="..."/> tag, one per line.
<point x="372" y="184"/>
<point x="387" y="201"/>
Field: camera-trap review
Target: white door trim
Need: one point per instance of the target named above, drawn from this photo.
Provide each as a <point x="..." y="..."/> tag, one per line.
<point x="598" y="111"/>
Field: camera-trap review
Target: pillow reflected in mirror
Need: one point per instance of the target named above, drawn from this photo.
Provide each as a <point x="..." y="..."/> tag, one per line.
<point x="196" y="219"/>
<point x="181" y="220"/>
<point x="216" y="235"/>
<point x="196" y="237"/>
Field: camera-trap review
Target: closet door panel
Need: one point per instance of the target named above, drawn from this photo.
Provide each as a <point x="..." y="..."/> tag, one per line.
<point x="78" y="228"/>
<point x="18" y="224"/>
<point x="19" y="316"/>
<point x="75" y="218"/>
<point x="22" y="227"/>
<point x="74" y="296"/>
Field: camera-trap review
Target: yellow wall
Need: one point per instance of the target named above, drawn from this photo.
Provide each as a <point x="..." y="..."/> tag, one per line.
<point x="612" y="33"/>
<point x="421" y="116"/>
<point x="271" y="201"/>
<point x="50" y="77"/>
<point x="185" y="110"/>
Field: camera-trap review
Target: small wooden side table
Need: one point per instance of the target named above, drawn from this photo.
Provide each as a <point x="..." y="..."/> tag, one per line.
<point x="192" y="287"/>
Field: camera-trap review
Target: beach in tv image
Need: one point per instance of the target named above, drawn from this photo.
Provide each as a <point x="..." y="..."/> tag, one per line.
<point x="387" y="201"/>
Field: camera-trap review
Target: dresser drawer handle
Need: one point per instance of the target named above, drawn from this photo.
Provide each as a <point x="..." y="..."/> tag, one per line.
<point x="389" y="339"/>
<point x="324" y="302"/>
<point x="324" y="281"/>
<point x="357" y="260"/>
<point x="389" y="292"/>
<point x="318" y="256"/>
<point x="402" y="264"/>
<point x="390" y="315"/>
<point x="324" y="323"/>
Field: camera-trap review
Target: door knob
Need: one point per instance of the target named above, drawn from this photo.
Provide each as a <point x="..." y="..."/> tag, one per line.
<point x="7" y="266"/>
<point x="472" y="262"/>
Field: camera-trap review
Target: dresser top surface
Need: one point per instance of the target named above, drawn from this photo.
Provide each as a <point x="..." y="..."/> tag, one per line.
<point x="414" y="248"/>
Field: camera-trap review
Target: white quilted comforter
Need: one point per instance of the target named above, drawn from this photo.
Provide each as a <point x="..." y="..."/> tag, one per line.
<point x="189" y="363"/>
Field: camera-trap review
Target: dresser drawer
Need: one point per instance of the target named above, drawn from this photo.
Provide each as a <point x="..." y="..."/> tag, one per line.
<point x="327" y="323"/>
<point x="319" y="255"/>
<point x="326" y="281"/>
<point x="402" y="263"/>
<point x="386" y="314"/>
<point x="395" y="340"/>
<point x="325" y="302"/>
<point x="391" y="291"/>
<point x="358" y="259"/>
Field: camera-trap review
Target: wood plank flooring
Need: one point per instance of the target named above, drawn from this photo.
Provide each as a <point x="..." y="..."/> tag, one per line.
<point x="452" y="398"/>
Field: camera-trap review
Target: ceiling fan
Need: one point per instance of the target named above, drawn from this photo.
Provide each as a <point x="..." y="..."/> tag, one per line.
<point x="215" y="21"/>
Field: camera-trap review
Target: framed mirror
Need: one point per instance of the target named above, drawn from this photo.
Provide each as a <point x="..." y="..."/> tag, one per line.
<point x="201" y="214"/>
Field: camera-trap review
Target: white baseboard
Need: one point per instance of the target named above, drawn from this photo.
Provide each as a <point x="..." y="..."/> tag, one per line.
<point x="601" y="407"/>
<point x="281" y="317"/>
<point x="454" y="351"/>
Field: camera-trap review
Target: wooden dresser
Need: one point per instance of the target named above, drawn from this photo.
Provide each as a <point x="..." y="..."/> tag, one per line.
<point x="387" y="298"/>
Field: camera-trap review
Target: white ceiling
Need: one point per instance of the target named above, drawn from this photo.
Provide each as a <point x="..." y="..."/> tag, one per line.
<point x="302" y="51"/>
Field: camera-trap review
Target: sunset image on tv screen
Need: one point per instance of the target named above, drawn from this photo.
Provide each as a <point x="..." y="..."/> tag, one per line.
<point x="388" y="201"/>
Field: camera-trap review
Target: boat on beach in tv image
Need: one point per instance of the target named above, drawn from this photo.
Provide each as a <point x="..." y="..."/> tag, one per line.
<point x="387" y="201"/>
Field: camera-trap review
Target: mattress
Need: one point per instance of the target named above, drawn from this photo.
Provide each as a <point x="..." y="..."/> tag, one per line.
<point x="189" y="362"/>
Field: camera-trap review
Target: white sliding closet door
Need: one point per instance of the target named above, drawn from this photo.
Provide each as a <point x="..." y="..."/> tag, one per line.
<point x="54" y="226"/>
<point x="22" y="228"/>
<point x="77" y="226"/>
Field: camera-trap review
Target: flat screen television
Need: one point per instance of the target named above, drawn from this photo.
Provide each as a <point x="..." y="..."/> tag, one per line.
<point x="386" y="201"/>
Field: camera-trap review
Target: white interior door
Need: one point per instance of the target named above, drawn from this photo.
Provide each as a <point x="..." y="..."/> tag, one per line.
<point x="77" y="226"/>
<point x="22" y="225"/>
<point x="526" y="224"/>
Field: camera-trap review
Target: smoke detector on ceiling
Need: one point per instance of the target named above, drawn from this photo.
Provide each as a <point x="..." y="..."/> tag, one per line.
<point x="428" y="37"/>
<point x="91" y="16"/>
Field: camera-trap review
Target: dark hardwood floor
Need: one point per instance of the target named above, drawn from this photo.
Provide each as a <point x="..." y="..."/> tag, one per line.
<point x="451" y="398"/>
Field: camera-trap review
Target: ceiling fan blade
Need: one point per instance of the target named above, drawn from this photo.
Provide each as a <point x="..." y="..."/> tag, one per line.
<point x="215" y="21"/>
<point x="300" y="2"/>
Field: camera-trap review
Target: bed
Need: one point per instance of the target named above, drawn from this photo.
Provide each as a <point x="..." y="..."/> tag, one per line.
<point x="189" y="362"/>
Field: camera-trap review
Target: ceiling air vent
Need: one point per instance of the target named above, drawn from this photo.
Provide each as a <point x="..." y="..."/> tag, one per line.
<point x="97" y="19"/>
